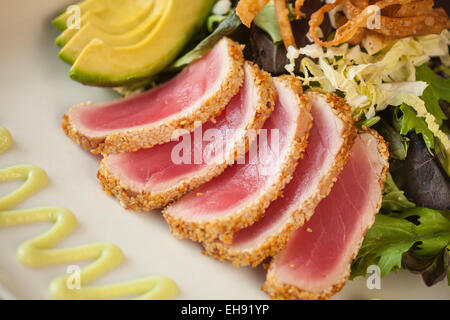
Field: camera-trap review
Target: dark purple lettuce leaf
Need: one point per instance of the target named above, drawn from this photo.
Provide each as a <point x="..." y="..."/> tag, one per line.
<point x="422" y="177"/>
<point x="397" y="143"/>
<point x="445" y="106"/>
<point x="432" y="269"/>
<point x="272" y="58"/>
<point x="308" y="9"/>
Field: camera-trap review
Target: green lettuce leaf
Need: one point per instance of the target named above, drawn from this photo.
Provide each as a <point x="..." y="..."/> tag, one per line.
<point x="443" y="156"/>
<point x="394" y="199"/>
<point x="398" y="144"/>
<point x="213" y="21"/>
<point x="227" y="26"/>
<point x="438" y="89"/>
<point x="392" y="236"/>
<point x="267" y="21"/>
<point x="368" y="122"/>
<point x="411" y="121"/>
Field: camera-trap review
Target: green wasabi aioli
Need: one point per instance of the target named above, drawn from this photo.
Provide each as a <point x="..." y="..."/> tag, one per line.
<point x="5" y="140"/>
<point x="38" y="251"/>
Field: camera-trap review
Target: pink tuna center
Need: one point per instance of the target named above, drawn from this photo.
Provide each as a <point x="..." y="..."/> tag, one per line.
<point x="243" y="181"/>
<point x="320" y="252"/>
<point x="155" y="166"/>
<point x="182" y="92"/>
<point x="323" y="143"/>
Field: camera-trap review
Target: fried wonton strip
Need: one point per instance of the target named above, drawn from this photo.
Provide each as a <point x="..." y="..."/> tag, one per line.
<point x="248" y="9"/>
<point x="361" y="4"/>
<point x="386" y="3"/>
<point x="298" y="7"/>
<point x="421" y="7"/>
<point x="352" y="9"/>
<point x="424" y="21"/>
<point x="432" y="23"/>
<point x="350" y="29"/>
<point x="357" y="38"/>
<point x="317" y="19"/>
<point x="282" y="14"/>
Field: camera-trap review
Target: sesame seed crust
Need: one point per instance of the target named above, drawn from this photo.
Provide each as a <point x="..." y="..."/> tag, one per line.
<point x="303" y="211"/>
<point x="223" y="228"/>
<point x="142" y="200"/>
<point x="135" y="139"/>
<point x="283" y="291"/>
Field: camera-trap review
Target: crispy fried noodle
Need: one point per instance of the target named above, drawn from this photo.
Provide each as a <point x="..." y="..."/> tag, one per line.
<point x="369" y="22"/>
<point x="390" y="19"/>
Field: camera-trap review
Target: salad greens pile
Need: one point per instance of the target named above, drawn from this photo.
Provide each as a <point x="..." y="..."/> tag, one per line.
<point x="403" y="92"/>
<point x="397" y="93"/>
<point x="416" y="239"/>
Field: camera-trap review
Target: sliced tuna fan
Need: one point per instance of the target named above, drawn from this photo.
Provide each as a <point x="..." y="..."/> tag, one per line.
<point x="239" y="197"/>
<point x="316" y="261"/>
<point x="330" y="139"/>
<point x="199" y="93"/>
<point x="151" y="178"/>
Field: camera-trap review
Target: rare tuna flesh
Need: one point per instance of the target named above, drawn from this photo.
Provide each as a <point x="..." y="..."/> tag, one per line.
<point x="330" y="139"/>
<point x="199" y="93"/>
<point x="239" y="196"/>
<point x="152" y="178"/>
<point x="316" y="261"/>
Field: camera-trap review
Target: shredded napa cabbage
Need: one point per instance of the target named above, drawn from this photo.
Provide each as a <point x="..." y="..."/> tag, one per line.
<point x="372" y="82"/>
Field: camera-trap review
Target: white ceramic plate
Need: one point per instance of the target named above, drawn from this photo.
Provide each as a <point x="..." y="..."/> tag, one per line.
<point x="35" y="93"/>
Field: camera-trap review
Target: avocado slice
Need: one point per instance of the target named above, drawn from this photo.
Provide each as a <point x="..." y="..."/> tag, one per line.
<point x="102" y="64"/>
<point x="98" y="19"/>
<point x="60" y="21"/>
<point x="113" y="16"/>
<point x="67" y="34"/>
<point x="81" y="39"/>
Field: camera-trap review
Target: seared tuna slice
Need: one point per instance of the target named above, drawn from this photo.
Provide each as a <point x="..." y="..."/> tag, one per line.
<point x="317" y="259"/>
<point x="239" y="197"/>
<point x="198" y="93"/>
<point x="151" y="178"/>
<point x="330" y="140"/>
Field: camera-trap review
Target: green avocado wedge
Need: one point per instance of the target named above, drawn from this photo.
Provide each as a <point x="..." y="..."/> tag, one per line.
<point x="103" y="65"/>
<point x="81" y="39"/>
<point x="69" y="33"/>
<point x="112" y="16"/>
